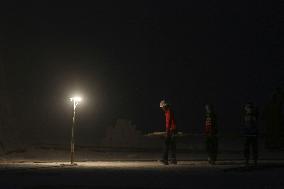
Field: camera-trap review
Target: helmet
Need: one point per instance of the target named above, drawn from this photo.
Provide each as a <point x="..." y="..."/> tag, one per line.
<point x="208" y="108"/>
<point x="163" y="103"/>
<point x="248" y="105"/>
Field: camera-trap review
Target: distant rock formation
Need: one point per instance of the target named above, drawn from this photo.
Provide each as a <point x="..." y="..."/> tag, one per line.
<point x="124" y="134"/>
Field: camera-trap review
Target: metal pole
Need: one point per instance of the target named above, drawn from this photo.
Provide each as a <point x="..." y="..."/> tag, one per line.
<point x="72" y="134"/>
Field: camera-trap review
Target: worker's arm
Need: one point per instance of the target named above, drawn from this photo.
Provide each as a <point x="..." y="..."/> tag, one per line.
<point x="173" y="129"/>
<point x="168" y="123"/>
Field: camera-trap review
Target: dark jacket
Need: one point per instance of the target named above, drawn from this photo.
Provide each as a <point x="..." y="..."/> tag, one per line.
<point x="250" y="124"/>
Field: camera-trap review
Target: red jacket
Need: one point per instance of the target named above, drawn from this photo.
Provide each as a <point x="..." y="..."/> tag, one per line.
<point x="170" y="121"/>
<point x="210" y="125"/>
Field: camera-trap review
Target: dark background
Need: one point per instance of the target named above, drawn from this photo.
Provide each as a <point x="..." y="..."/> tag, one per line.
<point x="123" y="57"/>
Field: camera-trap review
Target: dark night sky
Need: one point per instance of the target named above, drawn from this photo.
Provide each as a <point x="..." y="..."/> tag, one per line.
<point x="124" y="57"/>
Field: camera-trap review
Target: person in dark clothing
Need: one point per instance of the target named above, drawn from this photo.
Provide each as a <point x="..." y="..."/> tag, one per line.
<point x="273" y="117"/>
<point x="250" y="132"/>
<point x="211" y="134"/>
<point x="170" y="141"/>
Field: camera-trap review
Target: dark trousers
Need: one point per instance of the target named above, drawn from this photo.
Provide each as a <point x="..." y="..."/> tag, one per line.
<point x="212" y="147"/>
<point x="170" y="145"/>
<point x="251" y="142"/>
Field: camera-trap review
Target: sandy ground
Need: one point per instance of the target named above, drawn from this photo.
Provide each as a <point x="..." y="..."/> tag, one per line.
<point x="55" y="155"/>
<point x="141" y="174"/>
<point x="49" y="168"/>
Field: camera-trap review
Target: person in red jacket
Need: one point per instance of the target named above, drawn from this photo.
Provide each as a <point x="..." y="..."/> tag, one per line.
<point x="170" y="142"/>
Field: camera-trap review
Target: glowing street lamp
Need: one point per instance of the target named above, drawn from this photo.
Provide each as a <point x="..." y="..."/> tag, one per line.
<point x="76" y="100"/>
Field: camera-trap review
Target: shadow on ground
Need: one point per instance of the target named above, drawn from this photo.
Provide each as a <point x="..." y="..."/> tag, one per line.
<point x="259" y="167"/>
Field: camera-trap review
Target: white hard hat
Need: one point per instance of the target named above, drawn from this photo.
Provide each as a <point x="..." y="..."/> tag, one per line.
<point x="163" y="103"/>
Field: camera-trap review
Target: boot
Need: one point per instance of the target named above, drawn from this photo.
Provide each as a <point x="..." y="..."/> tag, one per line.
<point x="255" y="162"/>
<point x="209" y="160"/>
<point x="164" y="162"/>
<point x="247" y="162"/>
<point x="173" y="161"/>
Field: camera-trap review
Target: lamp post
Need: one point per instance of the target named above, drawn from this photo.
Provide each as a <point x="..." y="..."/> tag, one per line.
<point x="75" y="101"/>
